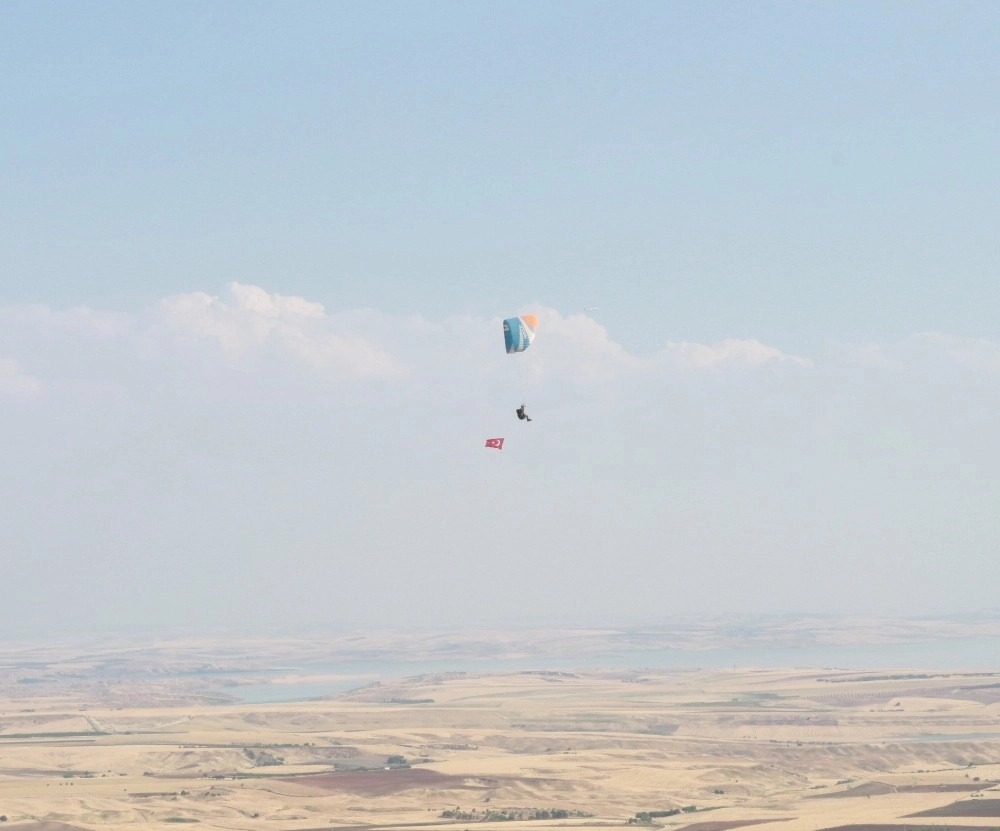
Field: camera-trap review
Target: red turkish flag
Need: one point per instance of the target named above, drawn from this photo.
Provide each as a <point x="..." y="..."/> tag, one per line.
<point x="497" y="443"/>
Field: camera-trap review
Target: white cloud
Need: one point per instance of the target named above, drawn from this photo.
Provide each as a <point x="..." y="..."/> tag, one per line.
<point x="580" y="347"/>
<point x="924" y="352"/>
<point x="251" y="320"/>
<point x="16" y="384"/>
<point x="869" y="355"/>
<point x="259" y="338"/>
<point x="977" y="354"/>
<point x="257" y="300"/>
<point x="246" y="332"/>
<point x="729" y="353"/>
<point x="39" y="320"/>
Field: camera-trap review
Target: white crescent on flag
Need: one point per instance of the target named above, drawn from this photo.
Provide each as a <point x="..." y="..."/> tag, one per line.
<point x="497" y="443"/>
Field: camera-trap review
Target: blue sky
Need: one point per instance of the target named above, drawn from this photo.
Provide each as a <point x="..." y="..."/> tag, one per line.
<point x="253" y="258"/>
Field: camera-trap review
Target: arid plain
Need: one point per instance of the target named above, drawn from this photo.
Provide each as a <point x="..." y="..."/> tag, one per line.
<point x="125" y="737"/>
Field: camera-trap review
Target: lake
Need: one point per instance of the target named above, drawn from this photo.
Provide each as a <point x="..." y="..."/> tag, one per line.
<point x="318" y="680"/>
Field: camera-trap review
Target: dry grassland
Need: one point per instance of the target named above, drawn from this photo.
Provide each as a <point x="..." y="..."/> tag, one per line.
<point x="775" y="750"/>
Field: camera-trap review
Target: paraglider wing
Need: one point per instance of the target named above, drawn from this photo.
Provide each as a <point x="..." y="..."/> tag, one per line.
<point x="519" y="332"/>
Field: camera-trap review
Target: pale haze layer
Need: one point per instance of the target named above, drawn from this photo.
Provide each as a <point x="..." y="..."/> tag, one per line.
<point x="254" y="260"/>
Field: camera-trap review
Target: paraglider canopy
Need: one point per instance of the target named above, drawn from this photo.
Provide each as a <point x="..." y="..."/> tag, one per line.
<point x="519" y="332"/>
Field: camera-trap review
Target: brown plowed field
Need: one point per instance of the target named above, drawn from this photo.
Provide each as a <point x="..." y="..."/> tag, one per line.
<point x="965" y="808"/>
<point x="874" y="826"/>
<point x="725" y="825"/>
<point x="880" y="788"/>
<point x="380" y="782"/>
<point x="867" y="789"/>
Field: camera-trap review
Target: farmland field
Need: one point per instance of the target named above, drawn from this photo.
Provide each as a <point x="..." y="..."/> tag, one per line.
<point x="156" y="743"/>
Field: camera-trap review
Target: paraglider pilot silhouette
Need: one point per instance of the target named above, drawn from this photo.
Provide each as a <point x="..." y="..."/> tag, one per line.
<point x="521" y="414"/>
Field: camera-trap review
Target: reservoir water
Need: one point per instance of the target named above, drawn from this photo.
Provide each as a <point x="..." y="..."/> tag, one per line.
<point x="318" y="680"/>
